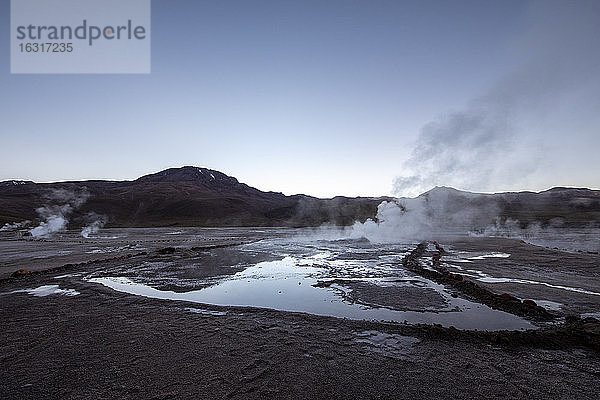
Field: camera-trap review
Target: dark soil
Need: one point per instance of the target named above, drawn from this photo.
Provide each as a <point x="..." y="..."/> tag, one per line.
<point x="105" y="344"/>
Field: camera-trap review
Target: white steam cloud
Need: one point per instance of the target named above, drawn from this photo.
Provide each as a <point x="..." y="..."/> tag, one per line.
<point x="98" y="221"/>
<point x="55" y="216"/>
<point x="440" y="211"/>
<point x="14" y="226"/>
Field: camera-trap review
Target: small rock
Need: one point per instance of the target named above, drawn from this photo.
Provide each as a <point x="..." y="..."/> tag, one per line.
<point x="571" y="319"/>
<point x="457" y="277"/>
<point x="20" y="272"/>
<point x="166" y="250"/>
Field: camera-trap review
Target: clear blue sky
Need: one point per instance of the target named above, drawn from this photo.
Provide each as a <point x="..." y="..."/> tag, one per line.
<point x="327" y="98"/>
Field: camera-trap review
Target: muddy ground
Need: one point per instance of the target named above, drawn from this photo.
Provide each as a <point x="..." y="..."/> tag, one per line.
<point x="574" y="269"/>
<point x="105" y="344"/>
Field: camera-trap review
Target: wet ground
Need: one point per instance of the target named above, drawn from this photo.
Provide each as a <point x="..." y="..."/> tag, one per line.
<point x="18" y="252"/>
<point x="566" y="281"/>
<point x="286" y="314"/>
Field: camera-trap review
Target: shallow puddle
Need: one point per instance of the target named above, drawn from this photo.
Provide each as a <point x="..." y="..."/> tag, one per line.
<point x="287" y="285"/>
<point x="47" y="290"/>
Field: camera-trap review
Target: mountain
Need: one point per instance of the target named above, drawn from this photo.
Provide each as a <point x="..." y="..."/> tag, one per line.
<point x="192" y="196"/>
<point x="187" y="196"/>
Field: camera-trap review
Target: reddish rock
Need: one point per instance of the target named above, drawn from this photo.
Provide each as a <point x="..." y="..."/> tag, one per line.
<point x="436" y="257"/>
<point x="166" y="250"/>
<point x="20" y="272"/>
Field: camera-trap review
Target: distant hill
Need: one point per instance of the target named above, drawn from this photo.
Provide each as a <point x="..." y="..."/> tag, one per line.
<point x="187" y="196"/>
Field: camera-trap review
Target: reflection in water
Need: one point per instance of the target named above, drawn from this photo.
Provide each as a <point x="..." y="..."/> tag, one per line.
<point x="287" y="285"/>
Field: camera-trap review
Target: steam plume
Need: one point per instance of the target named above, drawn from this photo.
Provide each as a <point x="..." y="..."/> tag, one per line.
<point x="14" y="226"/>
<point x="491" y="144"/>
<point x="442" y="210"/>
<point x="55" y="216"/>
<point x="98" y="221"/>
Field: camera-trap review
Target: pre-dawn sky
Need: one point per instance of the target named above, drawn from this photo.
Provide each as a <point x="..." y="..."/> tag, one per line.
<point x="328" y="98"/>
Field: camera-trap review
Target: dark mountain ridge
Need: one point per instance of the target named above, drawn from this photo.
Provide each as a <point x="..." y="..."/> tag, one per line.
<point x="193" y="196"/>
<point x="187" y="196"/>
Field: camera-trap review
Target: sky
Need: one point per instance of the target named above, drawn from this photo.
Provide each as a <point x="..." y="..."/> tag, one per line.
<point x="328" y="98"/>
